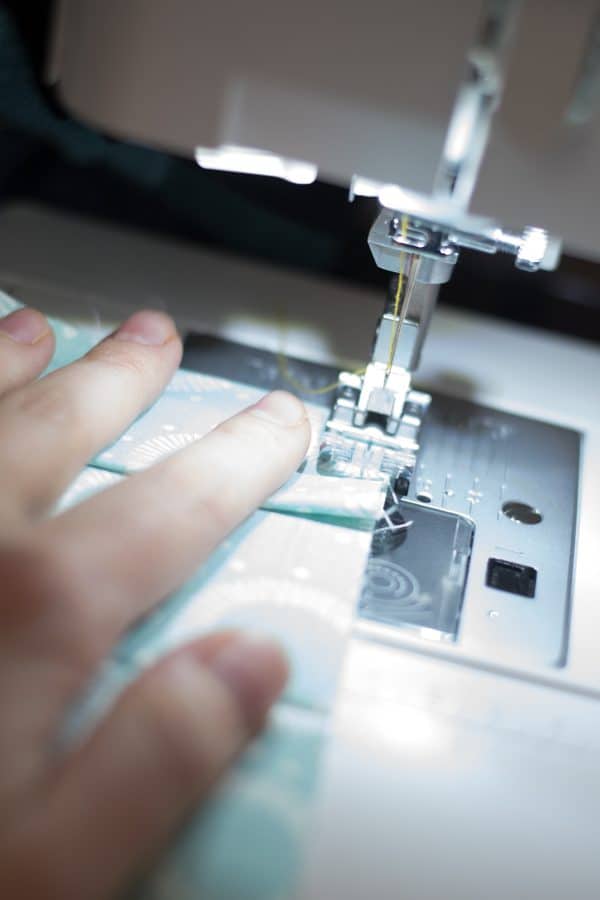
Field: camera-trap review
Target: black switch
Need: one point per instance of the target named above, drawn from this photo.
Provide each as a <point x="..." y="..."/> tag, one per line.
<point x="511" y="577"/>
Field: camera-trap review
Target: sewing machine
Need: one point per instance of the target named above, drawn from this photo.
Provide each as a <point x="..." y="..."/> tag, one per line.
<point x="472" y="670"/>
<point x="378" y="108"/>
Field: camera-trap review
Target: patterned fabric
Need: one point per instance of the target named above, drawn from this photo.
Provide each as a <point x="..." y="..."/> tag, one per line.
<point x="292" y="570"/>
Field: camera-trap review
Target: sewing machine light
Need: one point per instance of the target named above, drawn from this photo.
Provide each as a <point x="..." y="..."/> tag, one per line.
<point x="251" y="161"/>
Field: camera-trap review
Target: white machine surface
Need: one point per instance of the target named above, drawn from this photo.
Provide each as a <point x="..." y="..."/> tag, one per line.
<point x="446" y="775"/>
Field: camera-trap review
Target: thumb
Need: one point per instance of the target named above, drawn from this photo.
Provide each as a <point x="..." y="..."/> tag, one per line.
<point x="169" y="738"/>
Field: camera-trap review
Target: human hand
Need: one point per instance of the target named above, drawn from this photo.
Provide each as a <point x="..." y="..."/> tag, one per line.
<point x="84" y="824"/>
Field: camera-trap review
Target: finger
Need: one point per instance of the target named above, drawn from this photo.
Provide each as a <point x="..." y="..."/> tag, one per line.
<point x="156" y="757"/>
<point x="66" y="418"/>
<point x="136" y="542"/>
<point x="26" y="347"/>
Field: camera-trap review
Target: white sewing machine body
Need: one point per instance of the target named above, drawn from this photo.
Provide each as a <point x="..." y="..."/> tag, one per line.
<point x="464" y="754"/>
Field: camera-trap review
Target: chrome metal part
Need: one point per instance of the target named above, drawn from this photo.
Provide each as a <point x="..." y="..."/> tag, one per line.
<point x="437" y="232"/>
<point x="375" y="421"/>
<point x="480" y="549"/>
<point x="477" y="100"/>
<point x="388" y="245"/>
<point x="417" y="572"/>
<point x="435" y="228"/>
<point x="516" y="480"/>
<point x="365" y="446"/>
<point x="386" y="382"/>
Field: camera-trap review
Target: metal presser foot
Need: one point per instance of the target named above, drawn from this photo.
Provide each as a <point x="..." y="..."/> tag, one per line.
<point x="373" y="430"/>
<point x="369" y="443"/>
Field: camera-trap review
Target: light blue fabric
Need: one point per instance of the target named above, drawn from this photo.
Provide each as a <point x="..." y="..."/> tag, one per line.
<point x="291" y="576"/>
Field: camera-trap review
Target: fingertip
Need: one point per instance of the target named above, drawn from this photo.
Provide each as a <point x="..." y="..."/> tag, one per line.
<point x="282" y="408"/>
<point x="289" y="412"/>
<point x="147" y="342"/>
<point x="150" y="330"/>
<point x="148" y="326"/>
<point x="26" y="326"/>
<point x="254" y="668"/>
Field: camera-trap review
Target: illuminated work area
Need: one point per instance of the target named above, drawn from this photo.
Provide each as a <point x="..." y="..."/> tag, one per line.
<point x="431" y="567"/>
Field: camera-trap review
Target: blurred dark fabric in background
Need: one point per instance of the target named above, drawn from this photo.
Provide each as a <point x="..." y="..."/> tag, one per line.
<point x="47" y="158"/>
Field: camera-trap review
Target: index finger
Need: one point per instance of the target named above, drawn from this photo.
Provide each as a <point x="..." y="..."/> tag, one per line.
<point x="136" y="542"/>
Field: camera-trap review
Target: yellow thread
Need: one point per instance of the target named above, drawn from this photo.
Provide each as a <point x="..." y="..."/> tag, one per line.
<point x="396" y="326"/>
<point x="304" y="388"/>
<point x="298" y="385"/>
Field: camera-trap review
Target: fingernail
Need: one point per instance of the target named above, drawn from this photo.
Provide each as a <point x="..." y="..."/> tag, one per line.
<point x="281" y="408"/>
<point x="147" y="327"/>
<point x="255" y="669"/>
<point x="27" y="326"/>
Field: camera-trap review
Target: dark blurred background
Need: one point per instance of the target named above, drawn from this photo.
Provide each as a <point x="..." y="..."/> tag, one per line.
<point x="48" y="159"/>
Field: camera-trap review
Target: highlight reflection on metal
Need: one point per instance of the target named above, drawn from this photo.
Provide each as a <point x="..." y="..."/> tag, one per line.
<point x="418" y="581"/>
<point x="389" y="588"/>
